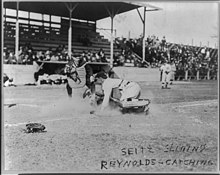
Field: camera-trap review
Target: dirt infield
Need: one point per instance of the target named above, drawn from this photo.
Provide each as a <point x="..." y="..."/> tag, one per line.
<point x="179" y="134"/>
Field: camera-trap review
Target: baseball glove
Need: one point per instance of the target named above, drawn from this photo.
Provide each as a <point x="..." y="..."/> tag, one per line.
<point x="34" y="127"/>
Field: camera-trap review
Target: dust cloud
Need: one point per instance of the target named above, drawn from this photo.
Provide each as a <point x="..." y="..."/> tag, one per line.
<point x="65" y="106"/>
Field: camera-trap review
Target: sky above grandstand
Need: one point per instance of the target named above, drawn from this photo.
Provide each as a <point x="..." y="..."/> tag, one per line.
<point x="181" y="22"/>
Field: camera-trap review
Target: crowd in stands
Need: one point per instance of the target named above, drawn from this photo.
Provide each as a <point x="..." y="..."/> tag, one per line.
<point x="90" y="56"/>
<point x="27" y="55"/>
<point x="186" y="58"/>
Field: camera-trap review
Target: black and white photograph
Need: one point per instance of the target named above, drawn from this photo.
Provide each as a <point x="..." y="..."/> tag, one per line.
<point x="110" y="86"/>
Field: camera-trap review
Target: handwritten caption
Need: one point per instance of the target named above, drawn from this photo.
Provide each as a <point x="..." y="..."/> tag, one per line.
<point x="149" y="151"/>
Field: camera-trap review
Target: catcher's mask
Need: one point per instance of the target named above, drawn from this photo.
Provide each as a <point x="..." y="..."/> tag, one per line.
<point x="70" y="67"/>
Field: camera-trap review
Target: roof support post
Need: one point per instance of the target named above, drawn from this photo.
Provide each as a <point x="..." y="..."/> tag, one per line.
<point x="70" y="36"/>
<point x="144" y="23"/>
<point x="17" y="32"/>
<point x="29" y="17"/>
<point x="70" y="8"/>
<point x="112" y="14"/>
<point x="112" y="41"/>
<point x="143" y="37"/>
<point x="5" y="15"/>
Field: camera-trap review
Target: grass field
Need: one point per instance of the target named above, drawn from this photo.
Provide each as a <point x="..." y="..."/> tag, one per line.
<point x="180" y="133"/>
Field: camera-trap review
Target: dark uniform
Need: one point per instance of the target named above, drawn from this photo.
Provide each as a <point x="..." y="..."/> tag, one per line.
<point x="71" y="73"/>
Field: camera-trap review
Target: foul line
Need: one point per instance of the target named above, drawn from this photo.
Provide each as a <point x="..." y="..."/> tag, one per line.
<point x="17" y="124"/>
<point x="195" y="103"/>
<point x="21" y="104"/>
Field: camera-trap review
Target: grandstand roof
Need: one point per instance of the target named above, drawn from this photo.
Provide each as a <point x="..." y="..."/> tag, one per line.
<point x="91" y="11"/>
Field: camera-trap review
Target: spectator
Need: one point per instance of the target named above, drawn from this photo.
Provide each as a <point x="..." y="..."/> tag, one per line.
<point x="163" y="43"/>
<point x="207" y="56"/>
<point x="5" y="56"/>
<point x="82" y="59"/>
<point x="98" y="58"/>
<point x="40" y="56"/>
<point x="173" y="71"/>
<point x="101" y="54"/>
<point x="94" y="58"/>
<point x="54" y="58"/>
<point x="21" y="55"/>
<point x="89" y="56"/>
<point x="64" y="53"/>
<point x="11" y="58"/>
<point x="48" y="55"/>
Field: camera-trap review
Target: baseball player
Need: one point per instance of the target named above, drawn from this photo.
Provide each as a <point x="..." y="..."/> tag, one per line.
<point x="128" y="89"/>
<point x="7" y="81"/>
<point x="166" y="69"/>
<point x="173" y="71"/>
<point x="70" y="71"/>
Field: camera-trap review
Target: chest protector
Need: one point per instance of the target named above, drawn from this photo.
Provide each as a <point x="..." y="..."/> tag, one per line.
<point x="76" y="76"/>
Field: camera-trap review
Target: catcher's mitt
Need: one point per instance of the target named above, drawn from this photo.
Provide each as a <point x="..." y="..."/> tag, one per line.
<point x="34" y="127"/>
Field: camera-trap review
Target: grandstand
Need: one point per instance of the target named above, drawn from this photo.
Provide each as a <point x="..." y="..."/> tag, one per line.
<point x="43" y="37"/>
<point x="36" y="32"/>
<point x="77" y="35"/>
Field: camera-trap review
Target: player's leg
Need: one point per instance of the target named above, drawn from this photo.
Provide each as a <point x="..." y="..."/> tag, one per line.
<point x="168" y="78"/>
<point x="163" y="79"/>
<point x="171" y="77"/>
<point x="69" y="90"/>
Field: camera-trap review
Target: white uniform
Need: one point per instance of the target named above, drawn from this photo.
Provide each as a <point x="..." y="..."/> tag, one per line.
<point x="127" y="89"/>
<point x="166" y="69"/>
<point x="7" y="81"/>
<point x="172" y="73"/>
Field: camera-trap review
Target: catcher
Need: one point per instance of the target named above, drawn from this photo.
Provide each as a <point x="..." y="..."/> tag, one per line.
<point x="70" y="71"/>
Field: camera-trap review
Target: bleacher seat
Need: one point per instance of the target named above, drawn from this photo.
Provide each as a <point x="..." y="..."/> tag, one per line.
<point x="42" y="38"/>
